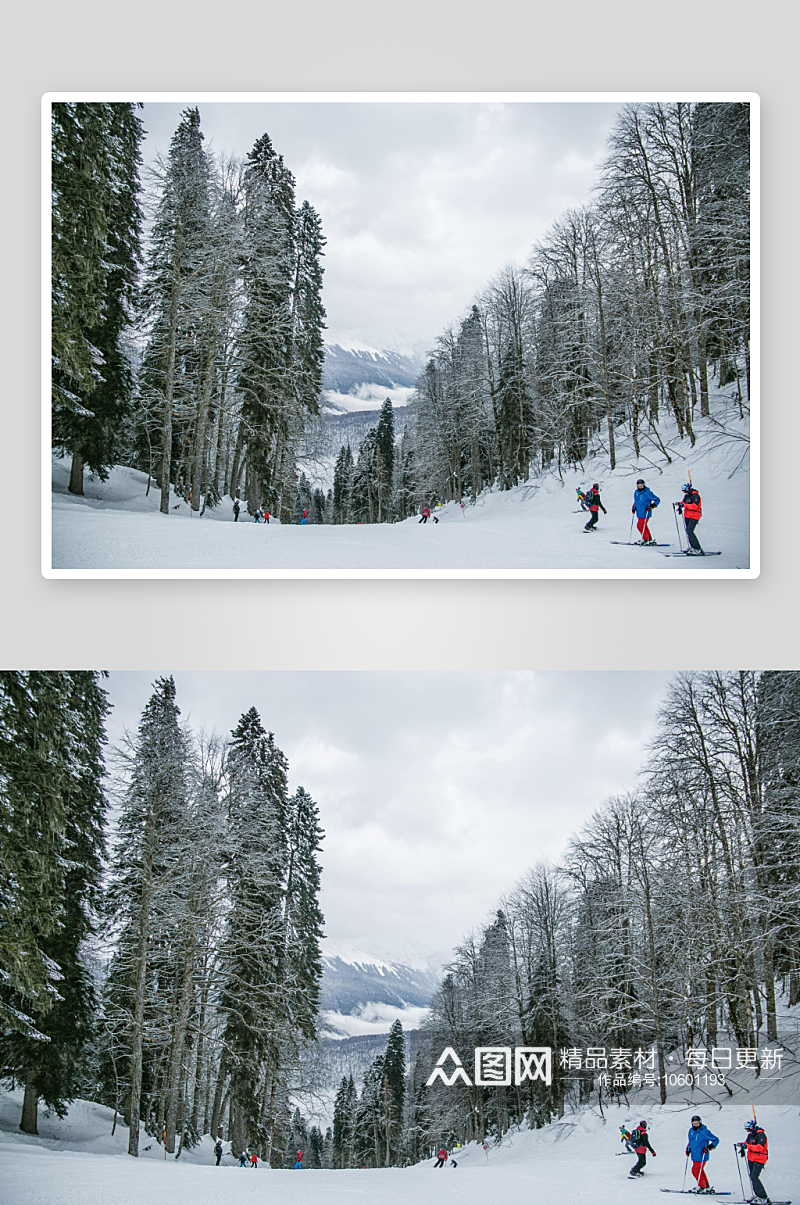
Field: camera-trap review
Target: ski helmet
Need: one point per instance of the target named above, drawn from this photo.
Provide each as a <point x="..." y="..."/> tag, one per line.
<point x="640" y="481"/>
<point x="686" y="488"/>
<point x="696" y="1118"/>
<point x="642" y="1125"/>
<point x="750" y="1125"/>
<point x="595" y="486"/>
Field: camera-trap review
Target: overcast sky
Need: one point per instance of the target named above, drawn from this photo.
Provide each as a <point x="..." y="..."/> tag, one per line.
<point x="421" y="203"/>
<point x="436" y="790"/>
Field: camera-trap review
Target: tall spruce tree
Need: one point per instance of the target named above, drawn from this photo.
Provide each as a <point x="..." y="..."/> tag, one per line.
<point x="176" y="286"/>
<point x="393" y="1093"/>
<point x="253" y="946"/>
<point x="301" y="959"/>
<point x="96" y="227"/>
<point x="52" y="811"/>
<point x="141" y="895"/>
<point x="270" y="268"/>
<point x="384" y="461"/>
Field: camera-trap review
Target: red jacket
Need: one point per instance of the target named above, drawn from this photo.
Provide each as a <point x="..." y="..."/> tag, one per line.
<point x="442" y="1154"/>
<point x="757" y="1146"/>
<point x="692" y="505"/>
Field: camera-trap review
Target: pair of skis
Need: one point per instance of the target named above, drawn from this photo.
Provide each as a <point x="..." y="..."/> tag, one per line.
<point x="653" y="544"/>
<point x="692" y="1192"/>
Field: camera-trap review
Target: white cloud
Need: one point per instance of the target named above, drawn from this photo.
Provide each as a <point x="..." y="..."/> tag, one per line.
<point x="436" y="790"/>
<point x="421" y="204"/>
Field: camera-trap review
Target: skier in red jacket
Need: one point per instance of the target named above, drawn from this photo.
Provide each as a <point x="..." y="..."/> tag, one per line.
<point x="592" y="500"/>
<point x="692" y="510"/>
<point x="441" y="1158"/>
<point x="755" y="1151"/>
<point x="641" y="1144"/>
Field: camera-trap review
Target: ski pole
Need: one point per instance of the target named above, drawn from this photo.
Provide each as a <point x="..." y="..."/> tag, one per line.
<point x="630" y="533"/>
<point x="739" y="1170"/>
<point x="675" y="513"/>
<point x="685" y="1170"/>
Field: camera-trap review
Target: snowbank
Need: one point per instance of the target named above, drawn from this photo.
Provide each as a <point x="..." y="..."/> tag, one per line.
<point x="530" y="531"/>
<point x="574" y="1161"/>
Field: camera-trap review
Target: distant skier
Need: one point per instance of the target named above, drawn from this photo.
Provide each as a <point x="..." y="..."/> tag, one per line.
<point x="641" y="1145"/>
<point x="236" y="510"/>
<point x="581" y="497"/>
<point x="257" y="516"/>
<point x="305" y="517"/>
<point x="755" y="1151"/>
<point x="626" y="1138"/>
<point x="266" y="516"/>
<point x="254" y="1159"/>
<point x="644" y="503"/>
<point x="700" y="1145"/>
<point x="243" y="1159"/>
<point x="426" y="514"/>
<point x="441" y="1158"/>
<point x="218" y="1151"/>
<point x="298" y="1166"/>
<point x="692" y="510"/>
<point x="594" y="504"/>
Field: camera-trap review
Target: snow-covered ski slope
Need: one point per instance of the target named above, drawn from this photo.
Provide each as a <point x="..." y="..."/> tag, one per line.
<point x="530" y="531"/>
<point x="76" y="1162"/>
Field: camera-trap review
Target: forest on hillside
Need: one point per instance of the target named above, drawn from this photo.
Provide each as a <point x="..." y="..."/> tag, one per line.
<point x="187" y="311"/>
<point x="161" y="929"/>
<point x="625" y="315"/>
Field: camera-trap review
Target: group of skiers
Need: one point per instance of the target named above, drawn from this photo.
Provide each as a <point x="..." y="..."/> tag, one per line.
<point x="251" y="1159"/>
<point x="260" y="516"/>
<point x="644" y="503"/>
<point x="700" y="1143"/>
<point x="442" y="1157"/>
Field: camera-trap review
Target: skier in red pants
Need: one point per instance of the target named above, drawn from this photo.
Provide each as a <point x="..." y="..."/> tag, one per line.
<point x="700" y="1145"/>
<point x="644" y="502"/>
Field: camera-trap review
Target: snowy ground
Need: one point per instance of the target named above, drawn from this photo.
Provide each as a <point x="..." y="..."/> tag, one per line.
<point x="530" y="531"/>
<point x="574" y="1162"/>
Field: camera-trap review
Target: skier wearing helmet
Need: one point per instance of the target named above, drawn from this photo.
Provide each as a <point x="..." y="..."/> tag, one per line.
<point x="691" y="509"/>
<point x="644" y="503"/>
<point x="641" y="1144"/>
<point x="700" y="1145"/>
<point x="755" y="1151"/>
<point x="592" y="500"/>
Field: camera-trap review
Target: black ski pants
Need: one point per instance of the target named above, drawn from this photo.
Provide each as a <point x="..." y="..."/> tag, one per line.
<point x="424" y="519"/>
<point x="440" y="1162"/>
<point x="593" y="521"/>
<point x="642" y="1161"/>
<point x="755" y="1170"/>
<point x="219" y="1156"/>
<point x="691" y="537"/>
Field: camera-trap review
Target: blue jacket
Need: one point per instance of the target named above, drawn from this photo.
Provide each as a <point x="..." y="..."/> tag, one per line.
<point x="642" y="499"/>
<point x="699" y="1139"/>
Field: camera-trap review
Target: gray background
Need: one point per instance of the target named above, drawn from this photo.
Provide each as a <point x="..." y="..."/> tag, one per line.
<point x="378" y="46"/>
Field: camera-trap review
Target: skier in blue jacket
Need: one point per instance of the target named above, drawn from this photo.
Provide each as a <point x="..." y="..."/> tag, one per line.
<point x="644" y="503"/>
<point x="700" y="1145"/>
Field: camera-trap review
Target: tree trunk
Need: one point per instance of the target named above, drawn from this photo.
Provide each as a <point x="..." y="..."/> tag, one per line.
<point x="216" y="1112"/>
<point x="76" y="473"/>
<point x="138" y="1007"/>
<point x="30" y="1104"/>
<point x="178" y="1042"/>
<point x="169" y="390"/>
